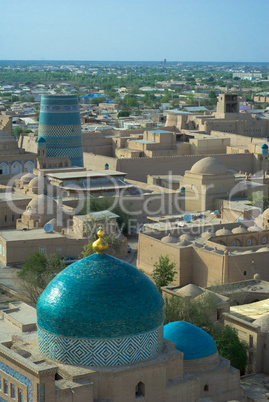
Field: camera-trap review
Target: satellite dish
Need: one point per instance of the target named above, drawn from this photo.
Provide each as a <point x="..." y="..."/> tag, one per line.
<point x="48" y="228"/>
<point x="187" y="217"/>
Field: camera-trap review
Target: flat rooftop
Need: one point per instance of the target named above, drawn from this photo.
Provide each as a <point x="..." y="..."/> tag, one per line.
<point x="255" y="387"/>
<point x="30" y="234"/>
<point x="176" y="111"/>
<point x="174" y="177"/>
<point x="94" y="188"/>
<point x="7" y="330"/>
<point x="21" y="312"/>
<point x="144" y="141"/>
<point x="64" y="169"/>
<point x="252" y="311"/>
<point x="86" y="174"/>
<point x="13" y="317"/>
<point x="98" y="215"/>
<point x="159" y="131"/>
<point x="8" y="196"/>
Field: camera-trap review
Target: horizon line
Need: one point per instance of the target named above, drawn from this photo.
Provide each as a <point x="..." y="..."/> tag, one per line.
<point x="135" y="61"/>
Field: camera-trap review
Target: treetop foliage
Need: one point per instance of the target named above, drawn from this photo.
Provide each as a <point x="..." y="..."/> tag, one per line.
<point x="37" y="271"/>
<point x="163" y="272"/>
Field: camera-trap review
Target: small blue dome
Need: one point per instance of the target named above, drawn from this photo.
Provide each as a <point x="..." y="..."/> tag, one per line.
<point x="194" y="342"/>
<point x="264" y="146"/>
<point x="100" y="297"/>
<point x="41" y="140"/>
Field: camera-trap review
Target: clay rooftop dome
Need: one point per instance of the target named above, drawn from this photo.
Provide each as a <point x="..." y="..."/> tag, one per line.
<point x="209" y="165"/>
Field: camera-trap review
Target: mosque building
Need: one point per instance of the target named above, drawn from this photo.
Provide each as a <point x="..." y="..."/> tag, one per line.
<point x="100" y="337"/>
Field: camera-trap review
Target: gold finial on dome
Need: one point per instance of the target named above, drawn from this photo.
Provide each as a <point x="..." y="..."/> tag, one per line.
<point x="100" y="246"/>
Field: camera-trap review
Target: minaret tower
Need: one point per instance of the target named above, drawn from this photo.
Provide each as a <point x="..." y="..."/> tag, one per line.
<point x="59" y="125"/>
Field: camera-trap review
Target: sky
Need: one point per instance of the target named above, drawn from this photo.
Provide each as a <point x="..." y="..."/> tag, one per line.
<point x="135" y="30"/>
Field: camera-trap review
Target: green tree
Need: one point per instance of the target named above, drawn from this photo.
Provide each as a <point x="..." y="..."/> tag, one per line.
<point x="200" y="311"/>
<point x="99" y="99"/>
<point x="124" y="113"/>
<point x="108" y="203"/>
<point x="257" y="199"/>
<point x="230" y="347"/>
<point x="14" y="98"/>
<point x="190" y="98"/>
<point x="130" y="101"/>
<point x="115" y="243"/>
<point x="38" y="270"/>
<point x="212" y="95"/>
<point x="163" y="272"/>
<point x="17" y="131"/>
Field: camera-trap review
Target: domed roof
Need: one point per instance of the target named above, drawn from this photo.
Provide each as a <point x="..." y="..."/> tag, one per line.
<point x="239" y="230"/>
<point x="223" y="232"/>
<point x="38" y="182"/>
<point x="26" y="178"/>
<point x="169" y="239"/>
<point x="254" y="228"/>
<point x="207" y="234"/>
<point x="262" y="250"/>
<point x="266" y="213"/>
<point x="42" y="205"/>
<point x="100" y="297"/>
<point x="264" y="146"/>
<point x="263" y="322"/>
<point x="189" y="339"/>
<point x="190" y="290"/>
<point x="209" y="165"/>
<point x="183" y="243"/>
<point x="186" y="237"/>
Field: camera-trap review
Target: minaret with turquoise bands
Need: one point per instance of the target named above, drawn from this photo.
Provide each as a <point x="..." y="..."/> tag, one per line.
<point x="59" y="125"/>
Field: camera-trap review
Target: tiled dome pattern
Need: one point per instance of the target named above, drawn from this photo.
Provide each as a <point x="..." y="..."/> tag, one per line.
<point x="103" y="306"/>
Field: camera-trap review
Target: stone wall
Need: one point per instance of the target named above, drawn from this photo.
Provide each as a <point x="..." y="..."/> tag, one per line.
<point x="97" y="162"/>
<point x="6" y="124"/>
<point x="250" y="334"/>
<point x="28" y="142"/>
<point x="139" y="168"/>
<point x="201" y="266"/>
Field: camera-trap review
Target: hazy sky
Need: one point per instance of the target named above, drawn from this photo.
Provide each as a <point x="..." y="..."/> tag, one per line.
<point x="146" y="30"/>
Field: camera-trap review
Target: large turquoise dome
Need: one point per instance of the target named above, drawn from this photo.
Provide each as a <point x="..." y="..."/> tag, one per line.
<point x="100" y="300"/>
<point x="189" y="339"/>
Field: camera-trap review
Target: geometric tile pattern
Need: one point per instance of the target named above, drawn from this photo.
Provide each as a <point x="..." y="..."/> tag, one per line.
<point x="41" y="392"/>
<point x="19" y="377"/>
<point x="59" y="125"/>
<point x="54" y="131"/>
<point x="70" y="152"/>
<point x="59" y="108"/>
<point x="100" y="352"/>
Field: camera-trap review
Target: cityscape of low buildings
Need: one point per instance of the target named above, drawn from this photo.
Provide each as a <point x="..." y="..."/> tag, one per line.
<point x="193" y="183"/>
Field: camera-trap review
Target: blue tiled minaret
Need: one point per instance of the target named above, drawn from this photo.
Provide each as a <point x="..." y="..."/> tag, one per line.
<point x="59" y="125"/>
